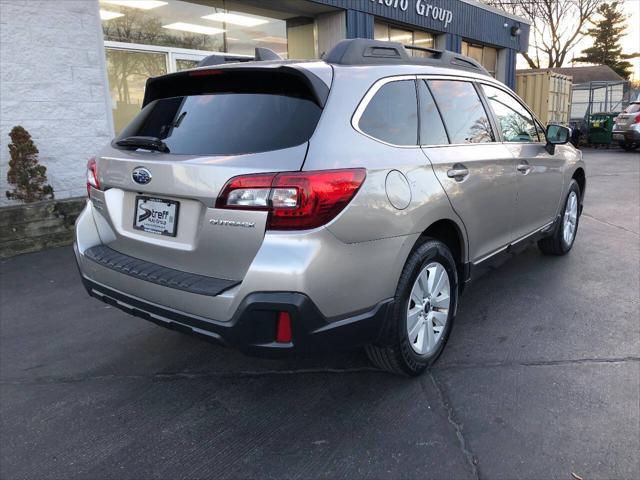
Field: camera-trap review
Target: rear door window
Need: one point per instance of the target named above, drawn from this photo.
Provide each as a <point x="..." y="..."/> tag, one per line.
<point x="432" y="131"/>
<point x="515" y="121"/>
<point x="392" y="114"/>
<point x="462" y="111"/>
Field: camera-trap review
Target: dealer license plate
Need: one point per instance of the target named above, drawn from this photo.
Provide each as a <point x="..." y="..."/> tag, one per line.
<point x="156" y="215"/>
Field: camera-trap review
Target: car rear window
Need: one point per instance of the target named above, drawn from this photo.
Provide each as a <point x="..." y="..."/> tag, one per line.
<point x="227" y="123"/>
<point x="633" y="108"/>
<point x="229" y="111"/>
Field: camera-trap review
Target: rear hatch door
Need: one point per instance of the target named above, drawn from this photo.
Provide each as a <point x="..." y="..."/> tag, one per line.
<point x="158" y="204"/>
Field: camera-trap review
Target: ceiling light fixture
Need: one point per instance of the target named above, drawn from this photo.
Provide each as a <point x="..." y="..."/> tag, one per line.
<point x="235" y="19"/>
<point x="193" y="28"/>
<point x="107" y="15"/>
<point x="141" y="4"/>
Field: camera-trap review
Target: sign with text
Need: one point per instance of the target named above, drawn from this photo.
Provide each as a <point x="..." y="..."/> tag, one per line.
<point x="422" y="8"/>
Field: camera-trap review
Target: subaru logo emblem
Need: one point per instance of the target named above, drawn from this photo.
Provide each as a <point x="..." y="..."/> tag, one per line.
<point x="141" y="175"/>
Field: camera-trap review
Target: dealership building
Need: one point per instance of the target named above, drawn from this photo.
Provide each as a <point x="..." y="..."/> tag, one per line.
<point x="73" y="71"/>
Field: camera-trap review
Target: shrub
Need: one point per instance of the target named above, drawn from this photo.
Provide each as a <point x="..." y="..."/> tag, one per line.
<point x="25" y="173"/>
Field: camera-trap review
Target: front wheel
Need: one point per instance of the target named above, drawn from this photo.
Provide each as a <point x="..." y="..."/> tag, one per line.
<point x="564" y="235"/>
<point x="422" y="314"/>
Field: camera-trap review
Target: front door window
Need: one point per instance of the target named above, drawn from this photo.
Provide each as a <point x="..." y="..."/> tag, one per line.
<point x="515" y="121"/>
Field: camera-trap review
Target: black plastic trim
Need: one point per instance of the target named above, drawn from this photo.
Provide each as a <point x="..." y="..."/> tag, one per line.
<point x="252" y="329"/>
<point x="492" y="262"/>
<point x="362" y="51"/>
<point x="151" y="272"/>
<point x="184" y="83"/>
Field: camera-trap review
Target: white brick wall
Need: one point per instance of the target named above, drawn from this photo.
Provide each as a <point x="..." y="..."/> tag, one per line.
<point x="53" y="83"/>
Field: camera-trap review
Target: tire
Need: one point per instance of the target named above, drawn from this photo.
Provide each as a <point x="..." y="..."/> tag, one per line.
<point x="628" y="146"/>
<point x="556" y="243"/>
<point x="396" y="353"/>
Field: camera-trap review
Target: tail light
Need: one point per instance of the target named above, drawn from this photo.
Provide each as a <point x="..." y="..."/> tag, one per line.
<point x="294" y="200"/>
<point x="92" y="175"/>
<point x="637" y="119"/>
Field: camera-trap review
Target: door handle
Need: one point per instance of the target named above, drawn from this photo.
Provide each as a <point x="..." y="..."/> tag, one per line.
<point x="524" y="167"/>
<point x="458" y="172"/>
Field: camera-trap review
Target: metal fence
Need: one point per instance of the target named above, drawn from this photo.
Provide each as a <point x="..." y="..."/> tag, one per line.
<point x="596" y="97"/>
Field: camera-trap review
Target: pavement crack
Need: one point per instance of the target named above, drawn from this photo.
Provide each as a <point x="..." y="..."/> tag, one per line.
<point x="471" y="459"/>
<point x="604" y="222"/>
<point x="537" y="363"/>
<point x="184" y="375"/>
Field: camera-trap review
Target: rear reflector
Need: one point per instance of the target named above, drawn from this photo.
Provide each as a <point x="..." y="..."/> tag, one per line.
<point x="283" y="329"/>
<point x="294" y="200"/>
<point x="92" y="175"/>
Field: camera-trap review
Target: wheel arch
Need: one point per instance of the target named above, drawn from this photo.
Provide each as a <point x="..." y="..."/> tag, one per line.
<point x="580" y="176"/>
<point x="452" y="235"/>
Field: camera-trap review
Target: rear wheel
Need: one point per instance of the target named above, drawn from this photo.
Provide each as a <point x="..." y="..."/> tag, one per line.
<point x="564" y="235"/>
<point x="423" y="312"/>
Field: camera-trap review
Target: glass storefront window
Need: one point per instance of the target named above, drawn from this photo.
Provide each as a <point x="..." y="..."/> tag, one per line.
<point x="189" y="25"/>
<point x="128" y="72"/>
<point x="486" y="56"/>
<point x="400" y="35"/>
<point x="185" y="64"/>
<point x="153" y="37"/>
<point x="391" y="33"/>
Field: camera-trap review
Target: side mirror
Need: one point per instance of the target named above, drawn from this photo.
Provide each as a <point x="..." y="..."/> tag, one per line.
<point x="556" y="135"/>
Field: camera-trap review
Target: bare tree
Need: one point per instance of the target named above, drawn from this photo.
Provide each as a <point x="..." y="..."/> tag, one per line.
<point x="556" y="26"/>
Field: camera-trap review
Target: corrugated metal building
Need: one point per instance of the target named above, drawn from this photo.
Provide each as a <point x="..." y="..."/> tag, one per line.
<point x="596" y="88"/>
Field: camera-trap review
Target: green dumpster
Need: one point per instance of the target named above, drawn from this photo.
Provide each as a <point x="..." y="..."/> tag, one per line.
<point x="601" y="128"/>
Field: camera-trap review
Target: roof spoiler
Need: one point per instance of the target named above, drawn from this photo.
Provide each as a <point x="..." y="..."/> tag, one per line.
<point x="261" y="54"/>
<point x="360" y="51"/>
<point x="238" y="78"/>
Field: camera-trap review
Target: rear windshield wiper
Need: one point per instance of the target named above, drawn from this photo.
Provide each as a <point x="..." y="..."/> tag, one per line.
<point x="149" y="143"/>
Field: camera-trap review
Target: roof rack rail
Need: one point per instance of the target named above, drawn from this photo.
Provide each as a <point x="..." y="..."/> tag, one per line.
<point x="362" y="51"/>
<point x="260" y="55"/>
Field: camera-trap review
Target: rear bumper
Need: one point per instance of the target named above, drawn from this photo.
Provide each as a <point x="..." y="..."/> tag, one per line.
<point x="630" y="135"/>
<point x="253" y="327"/>
<point x="333" y="291"/>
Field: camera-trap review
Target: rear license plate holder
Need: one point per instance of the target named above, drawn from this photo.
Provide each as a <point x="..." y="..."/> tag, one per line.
<point x="158" y="216"/>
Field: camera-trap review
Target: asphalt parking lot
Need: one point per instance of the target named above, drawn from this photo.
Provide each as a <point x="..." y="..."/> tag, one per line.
<point x="540" y="379"/>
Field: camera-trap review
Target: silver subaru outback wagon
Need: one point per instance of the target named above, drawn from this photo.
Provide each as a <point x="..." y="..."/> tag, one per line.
<point x="292" y="206"/>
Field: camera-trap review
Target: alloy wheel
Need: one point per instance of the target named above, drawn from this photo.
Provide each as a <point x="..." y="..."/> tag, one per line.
<point x="570" y="219"/>
<point x="428" y="309"/>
